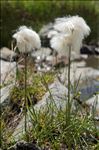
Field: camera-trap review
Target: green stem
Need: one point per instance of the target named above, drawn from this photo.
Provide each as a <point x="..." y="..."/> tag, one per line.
<point x="25" y="88"/>
<point x="69" y="75"/>
<point x="68" y="105"/>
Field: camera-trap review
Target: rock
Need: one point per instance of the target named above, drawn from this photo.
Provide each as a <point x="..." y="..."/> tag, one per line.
<point x="88" y="76"/>
<point x="42" y="53"/>
<point x="88" y="81"/>
<point x="7" y="54"/>
<point x="8" y="72"/>
<point x="92" y="61"/>
<point x="45" y="29"/>
<point x="22" y="145"/>
<point x="89" y="89"/>
<point x="49" y="58"/>
<point x="79" y="70"/>
<point x="44" y="34"/>
<point x="97" y="50"/>
<point x="43" y="68"/>
<point x="40" y="56"/>
<point x="57" y="96"/>
<point x="7" y="79"/>
<point x="93" y="103"/>
<point x="5" y="92"/>
<point x="56" y="61"/>
<point x="89" y="50"/>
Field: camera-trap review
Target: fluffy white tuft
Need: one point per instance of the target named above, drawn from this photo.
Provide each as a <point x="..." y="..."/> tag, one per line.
<point x="61" y="43"/>
<point x="52" y="33"/>
<point x="27" y="39"/>
<point x="65" y="24"/>
<point x="70" y="31"/>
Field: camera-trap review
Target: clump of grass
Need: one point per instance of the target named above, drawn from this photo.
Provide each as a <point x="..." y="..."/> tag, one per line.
<point x="5" y="135"/>
<point x="53" y="128"/>
<point x="34" y="92"/>
<point x="50" y="130"/>
<point x="53" y="131"/>
<point x="57" y="128"/>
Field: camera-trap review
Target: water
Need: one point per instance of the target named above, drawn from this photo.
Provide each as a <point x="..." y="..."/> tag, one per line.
<point x="90" y="90"/>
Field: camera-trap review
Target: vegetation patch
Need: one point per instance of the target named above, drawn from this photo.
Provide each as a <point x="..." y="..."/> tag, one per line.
<point x="35" y="89"/>
<point x="57" y="132"/>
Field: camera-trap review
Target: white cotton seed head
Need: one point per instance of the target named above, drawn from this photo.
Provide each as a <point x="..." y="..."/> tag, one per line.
<point x="65" y="24"/>
<point x="52" y="33"/>
<point x="64" y="27"/>
<point x="70" y="31"/>
<point x="61" y="43"/>
<point x="27" y="39"/>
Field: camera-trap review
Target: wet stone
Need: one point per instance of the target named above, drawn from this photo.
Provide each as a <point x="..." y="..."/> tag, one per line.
<point x="22" y="145"/>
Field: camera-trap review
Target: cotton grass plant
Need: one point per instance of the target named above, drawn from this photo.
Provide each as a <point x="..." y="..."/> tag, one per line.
<point x="68" y="30"/>
<point x="27" y="40"/>
<point x="63" y="128"/>
<point x="57" y="128"/>
<point x="51" y="130"/>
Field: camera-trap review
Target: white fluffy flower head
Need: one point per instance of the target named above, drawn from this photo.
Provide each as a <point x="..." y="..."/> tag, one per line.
<point x="27" y="39"/>
<point x="70" y="31"/>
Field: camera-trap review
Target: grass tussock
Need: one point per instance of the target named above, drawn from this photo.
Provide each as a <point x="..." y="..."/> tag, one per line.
<point x="57" y="131"/>
<point x="16" y="101"/>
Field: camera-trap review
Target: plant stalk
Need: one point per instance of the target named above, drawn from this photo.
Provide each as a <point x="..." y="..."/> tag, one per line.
<point x="25" y="88"/>
<point x="68" y="105"/>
